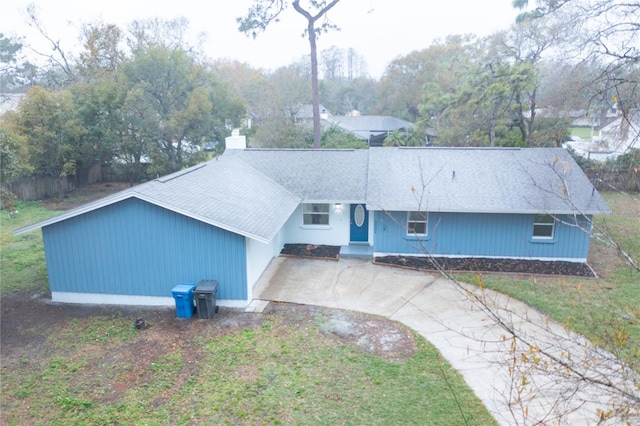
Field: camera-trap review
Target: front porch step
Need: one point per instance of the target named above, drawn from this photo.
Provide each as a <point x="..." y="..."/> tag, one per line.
<point x="356" y="250"/>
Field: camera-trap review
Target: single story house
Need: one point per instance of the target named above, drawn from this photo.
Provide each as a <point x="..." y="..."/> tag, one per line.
<point x="372" y="129"/>
<point x="617" y="137"/>
<point x="226" y="219"/>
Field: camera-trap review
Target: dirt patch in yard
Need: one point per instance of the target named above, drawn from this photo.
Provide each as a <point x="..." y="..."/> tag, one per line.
<point x="370" y="334"/>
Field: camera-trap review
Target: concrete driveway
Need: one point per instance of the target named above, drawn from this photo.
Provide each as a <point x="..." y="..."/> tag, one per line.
<point x="442" y="313"/>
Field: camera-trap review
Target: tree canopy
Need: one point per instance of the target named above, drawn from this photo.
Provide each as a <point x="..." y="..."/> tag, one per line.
<point x="150" y="105"/>
<point x="143" y="98"/>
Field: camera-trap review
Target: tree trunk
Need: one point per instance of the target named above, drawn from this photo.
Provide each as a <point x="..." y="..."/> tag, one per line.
<point x="315" y="91"/>
<point x="494" y="121"/>
<point x="520" y="121"/>
<point x="532" y="108"/>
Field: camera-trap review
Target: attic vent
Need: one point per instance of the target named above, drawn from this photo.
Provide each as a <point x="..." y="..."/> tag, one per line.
<point x="179" y="174"/>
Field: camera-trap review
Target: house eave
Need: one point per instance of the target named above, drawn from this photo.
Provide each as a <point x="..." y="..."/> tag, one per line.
<point x="496" y="211"/>
<point x="76" y="212"/>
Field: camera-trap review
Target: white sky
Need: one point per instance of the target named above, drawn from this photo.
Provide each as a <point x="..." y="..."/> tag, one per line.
<point x="379" y="30"/>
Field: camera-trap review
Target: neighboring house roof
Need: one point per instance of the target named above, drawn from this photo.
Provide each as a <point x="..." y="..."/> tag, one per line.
<point x="372" y="129"/>
<point x="580" y="117"/>
<point x="366" y="126"/>
<point x="305" y="112"/>
<point x="253" y="192"/>
<point x="480" y="180"/>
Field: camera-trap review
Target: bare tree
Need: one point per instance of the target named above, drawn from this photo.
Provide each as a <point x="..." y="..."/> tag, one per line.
<point x="332" y="60"/>
<point x="264" y="12"/>
<point x="356" y="65"/>
<point x="59" y="58"/>
<point x="171" y="34"/>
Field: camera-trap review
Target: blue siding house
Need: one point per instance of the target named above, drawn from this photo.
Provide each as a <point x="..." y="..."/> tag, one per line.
<point x="226" y="219"/>
<point x="167" y="248"/>
<point x="484" y="235"/>
<point x="516" y="203"/>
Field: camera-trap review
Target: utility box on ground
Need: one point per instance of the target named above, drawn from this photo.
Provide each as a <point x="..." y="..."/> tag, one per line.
<point x="183" y="295"/>
<point x="205" y="297"/>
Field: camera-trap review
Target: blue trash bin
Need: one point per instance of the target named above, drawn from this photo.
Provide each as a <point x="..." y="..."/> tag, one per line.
<point x="183" y="295"/>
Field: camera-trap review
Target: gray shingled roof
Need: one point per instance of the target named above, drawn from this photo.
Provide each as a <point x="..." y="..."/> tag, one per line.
<point x="254" y="192"/>
<point x="224" y="192"/>
<point x="314" y="175"/>
<point x="480" y="180"/>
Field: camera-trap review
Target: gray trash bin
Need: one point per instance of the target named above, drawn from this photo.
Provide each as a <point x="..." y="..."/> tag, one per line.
<point x="205" y="297"/>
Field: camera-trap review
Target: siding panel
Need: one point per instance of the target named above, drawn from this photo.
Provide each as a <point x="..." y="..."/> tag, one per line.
<point x="482" y="235"/>
<point x="136" y="248"/>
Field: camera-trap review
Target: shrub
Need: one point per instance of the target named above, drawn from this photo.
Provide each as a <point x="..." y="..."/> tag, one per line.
<point x="8" y="201"/>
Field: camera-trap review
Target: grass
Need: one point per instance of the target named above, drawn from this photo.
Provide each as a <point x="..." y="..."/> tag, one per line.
<point x="277" y="372"/>
<point x="22" y="262"/>
<point x="583" y="132"/>
<point x="301" y="380"/>
<point x="606" y="309"/>
<point x="97" y="369"/>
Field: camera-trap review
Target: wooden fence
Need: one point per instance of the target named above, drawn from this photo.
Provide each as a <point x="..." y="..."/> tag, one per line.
<point x="623" y="180"/>
<point x="38" y="188"/>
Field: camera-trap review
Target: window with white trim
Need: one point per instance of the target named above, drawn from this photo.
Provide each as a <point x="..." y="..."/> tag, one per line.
<point x="543" y="226"/>
<point x="315" y="214"/>
<point x="417" y="223"/>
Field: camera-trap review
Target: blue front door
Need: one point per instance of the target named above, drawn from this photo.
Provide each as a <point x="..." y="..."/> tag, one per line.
<point x="359" y="223"/>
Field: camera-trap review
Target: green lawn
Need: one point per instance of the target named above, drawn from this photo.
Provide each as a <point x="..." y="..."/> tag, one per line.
<point x="583" y="132"/>
<point x="22" y="263"/>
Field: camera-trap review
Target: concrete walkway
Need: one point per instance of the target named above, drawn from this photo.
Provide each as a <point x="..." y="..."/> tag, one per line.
<point x="464" y="334"/>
